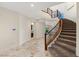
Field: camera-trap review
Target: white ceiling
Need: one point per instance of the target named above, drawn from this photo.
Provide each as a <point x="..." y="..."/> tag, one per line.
<point x="25" y="8"/>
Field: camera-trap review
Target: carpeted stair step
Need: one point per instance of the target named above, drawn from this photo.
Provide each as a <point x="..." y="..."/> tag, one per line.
<point x="69" y="29"/>
<point x="70" y="48"/>
<point x="60" y="52"/>
<point x="68" y="37"/>
<point x="70" y="42"/>
<point x="68" y="33"/>
<point x="53" y="52"/>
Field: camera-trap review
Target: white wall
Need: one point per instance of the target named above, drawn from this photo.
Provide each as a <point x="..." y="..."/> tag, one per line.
<point x="70" y="14"/>
<point x="11" y="20"/>
<point x="77" y="41"/>
<point x="24" y="29"/>
<point x="8" y="21"/>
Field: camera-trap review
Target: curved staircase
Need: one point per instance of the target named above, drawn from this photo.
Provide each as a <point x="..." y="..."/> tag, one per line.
<point x="65" y="45"/>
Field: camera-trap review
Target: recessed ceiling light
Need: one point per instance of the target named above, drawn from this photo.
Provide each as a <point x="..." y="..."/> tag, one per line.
<point x="32" y="23"/>
<point x="32" y="5"/>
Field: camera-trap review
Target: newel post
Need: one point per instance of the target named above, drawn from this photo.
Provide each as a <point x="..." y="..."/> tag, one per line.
<point x="45" y="42"/>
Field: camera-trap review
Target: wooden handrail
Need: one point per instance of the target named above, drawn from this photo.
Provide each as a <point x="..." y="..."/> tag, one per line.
<point x="53" y="14"/>
<point x="55" y="35"/>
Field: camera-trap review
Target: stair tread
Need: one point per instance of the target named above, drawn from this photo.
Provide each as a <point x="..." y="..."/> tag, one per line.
<point x="62" y="52"/>
<point x="68" y="33"/>
<point x="67" y="36"/>
<point x="70" y="42"/>
<point x="53" y="52"/>
<point x="66" y="46"/>
<point x="69" y="28"/>
<point x="67" y="40"/>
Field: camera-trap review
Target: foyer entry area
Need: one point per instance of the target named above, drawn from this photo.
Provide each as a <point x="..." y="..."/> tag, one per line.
<point x="32" y="48"/>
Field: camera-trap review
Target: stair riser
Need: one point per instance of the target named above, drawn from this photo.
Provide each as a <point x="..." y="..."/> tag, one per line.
<point x="68" y="34"/>
<point x="69" y="31"/>
<point x="69" y="38"/>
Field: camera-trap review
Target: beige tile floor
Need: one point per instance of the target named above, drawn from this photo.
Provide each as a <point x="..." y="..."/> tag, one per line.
<point x="32" y="48"/>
